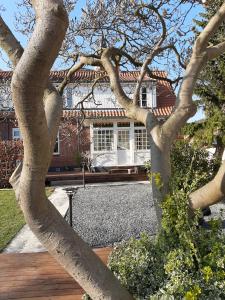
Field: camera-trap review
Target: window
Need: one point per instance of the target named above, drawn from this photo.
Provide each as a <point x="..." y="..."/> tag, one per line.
<point x="123" y="124"/>
<point x="16" y="134"/>
<point x="143" y="97"/>
<point x="138" y="124"/>
<point x="69" y="97"/>
<point x="103" y="139"/>
<point x="141" y="139"/>
<point x="102" y="125"/>
<point x="123" y="142"/>
<point x="56" y="148"/>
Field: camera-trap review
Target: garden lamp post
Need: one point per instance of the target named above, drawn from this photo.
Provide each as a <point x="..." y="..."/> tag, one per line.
<point x="83" y="171"/>
<point x="70" y="193"/>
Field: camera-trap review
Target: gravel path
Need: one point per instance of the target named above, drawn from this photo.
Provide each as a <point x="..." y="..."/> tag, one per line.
<point x="106" y="214"/>
<point x="103" y="215"/>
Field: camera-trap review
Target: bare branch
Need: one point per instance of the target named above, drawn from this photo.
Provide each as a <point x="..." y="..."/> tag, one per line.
<point x="9" y="43"/>
<point x="91" y="92"/>
<point x="84" y="60"/>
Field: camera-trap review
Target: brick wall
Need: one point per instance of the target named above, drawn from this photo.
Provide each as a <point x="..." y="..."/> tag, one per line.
<point x="71" y="145"/>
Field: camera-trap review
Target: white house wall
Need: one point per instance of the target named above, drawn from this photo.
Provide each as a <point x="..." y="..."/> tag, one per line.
<point x="141" y="156"/>
<point x="103" y="96"/>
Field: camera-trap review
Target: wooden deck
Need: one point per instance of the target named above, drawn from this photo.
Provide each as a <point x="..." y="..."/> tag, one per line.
<point x="94" y="177"/>
<point x="38" y="276"/>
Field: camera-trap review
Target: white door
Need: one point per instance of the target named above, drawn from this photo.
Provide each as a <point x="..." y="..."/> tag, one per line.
<point x="123" y="146"/>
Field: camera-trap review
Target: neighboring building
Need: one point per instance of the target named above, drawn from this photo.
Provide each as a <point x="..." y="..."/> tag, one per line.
<point x="100" y="127"/>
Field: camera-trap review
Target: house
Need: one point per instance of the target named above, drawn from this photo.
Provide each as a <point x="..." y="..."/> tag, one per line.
<point x="96" y="126"/>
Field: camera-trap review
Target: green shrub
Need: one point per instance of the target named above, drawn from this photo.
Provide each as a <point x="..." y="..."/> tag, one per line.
<point x="138" y="266"/>
<point x="183" y="262"/>
<point x="187" y="159"/>
<point x="188" y="162"/>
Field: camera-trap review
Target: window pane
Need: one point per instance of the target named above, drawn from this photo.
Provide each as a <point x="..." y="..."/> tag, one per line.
<point x="123" y="142"/>
<point x="144" y="96"/>
<point x="16" y="134"/>
<point x="138" y="124"/>
<point x="141" y="139"/>
<point x="69" y="97"/>
<point x="103" y="139"/>
<point x="56" y="148"/>
<point x="123" y="124"/>
<point x="102" y="125"/>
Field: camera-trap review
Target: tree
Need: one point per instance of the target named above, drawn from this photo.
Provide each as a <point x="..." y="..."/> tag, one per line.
<point x="210" y="89"/>
<point x="38" y="105"/>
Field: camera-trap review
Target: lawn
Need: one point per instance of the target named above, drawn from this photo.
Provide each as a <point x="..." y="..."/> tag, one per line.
<point x="11" y="217"/>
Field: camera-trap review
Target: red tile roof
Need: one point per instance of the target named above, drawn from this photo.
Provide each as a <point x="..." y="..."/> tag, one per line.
<point x="98" y="113"/>
<point x="165" y="94"/>
<point x="112" y="113"/>
<point x="85" y="75"/>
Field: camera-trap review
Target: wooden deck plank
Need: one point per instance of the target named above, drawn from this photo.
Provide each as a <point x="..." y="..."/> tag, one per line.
<point x="96" y="177"/>
<point x="38" y="276"/>
<point x="65" y="297"/>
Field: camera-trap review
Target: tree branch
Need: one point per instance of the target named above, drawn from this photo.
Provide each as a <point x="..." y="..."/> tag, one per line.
<point x="185" y="107"/>
<point x="210" y="29"/>
<point x="84" y="60"/>
<point x="211" y="193"/>
<point x="215" y="51"/>
<point x="9" y="43"/>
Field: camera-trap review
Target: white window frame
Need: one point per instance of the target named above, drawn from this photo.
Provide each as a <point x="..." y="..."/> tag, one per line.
<point x="123" y="138"/>
<point x="154" y="96"/>
<point x="14" y="136"/>
<point x="57" y="142"/>
<point x="145" y="139"/>
<point x="144" y="94"/>
<point x="99" y="146"/>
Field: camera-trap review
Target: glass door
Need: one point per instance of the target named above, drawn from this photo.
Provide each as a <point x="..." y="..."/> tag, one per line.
<point x="123" y="146"/>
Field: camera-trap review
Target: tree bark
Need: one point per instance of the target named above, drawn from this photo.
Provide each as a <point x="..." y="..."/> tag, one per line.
<point x="160" y="167"/>
<point x="38" y="126"/>
<point x="219" y="148"/>
<point x="211" y="193"/>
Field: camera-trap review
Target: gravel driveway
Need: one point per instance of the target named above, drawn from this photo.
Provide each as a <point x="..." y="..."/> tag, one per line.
<point x="103" y="215"/>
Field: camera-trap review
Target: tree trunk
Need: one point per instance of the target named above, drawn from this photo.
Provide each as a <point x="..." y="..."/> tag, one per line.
<point x="160" y="169"/>
<point x="36" y="119"/>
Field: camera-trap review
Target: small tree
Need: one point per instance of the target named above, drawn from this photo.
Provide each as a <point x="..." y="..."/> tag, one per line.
<point x="38" y="106"/>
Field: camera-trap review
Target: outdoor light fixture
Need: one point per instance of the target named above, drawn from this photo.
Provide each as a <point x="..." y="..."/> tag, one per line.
<point x="83" y="171"/>
<point x="70" y="193"/>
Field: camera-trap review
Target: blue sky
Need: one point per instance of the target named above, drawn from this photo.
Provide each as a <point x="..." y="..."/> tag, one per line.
<point x="9" y="17"/>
